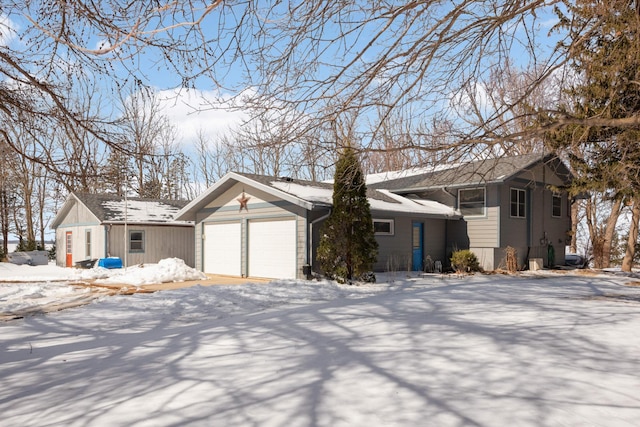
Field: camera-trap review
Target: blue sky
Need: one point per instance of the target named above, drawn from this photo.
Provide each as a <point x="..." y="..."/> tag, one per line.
<point x="188" y="107"/>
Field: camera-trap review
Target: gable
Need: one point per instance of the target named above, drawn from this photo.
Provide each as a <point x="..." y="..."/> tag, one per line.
<point x="73" y="211"/>
<point x="242" y="198"/>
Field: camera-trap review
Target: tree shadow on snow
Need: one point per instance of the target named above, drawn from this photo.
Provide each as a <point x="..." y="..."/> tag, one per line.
<point x="452" y="352"/>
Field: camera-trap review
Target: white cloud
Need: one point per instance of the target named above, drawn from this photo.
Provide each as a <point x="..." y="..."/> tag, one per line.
<point x="469" y="100"/>
<point x="8" y="30"/>
<point x="103" y="45"/>
<point x="193" y="110"/>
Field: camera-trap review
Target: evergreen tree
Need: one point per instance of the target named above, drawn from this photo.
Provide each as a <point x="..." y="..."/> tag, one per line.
<point x="348" y="248"/>
<point x="605" y="55"/>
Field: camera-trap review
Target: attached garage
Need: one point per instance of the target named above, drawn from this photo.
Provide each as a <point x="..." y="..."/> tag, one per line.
<point x="262" y="226"/>
<point x="272" y="248"/>
<point x="223" y="248"/>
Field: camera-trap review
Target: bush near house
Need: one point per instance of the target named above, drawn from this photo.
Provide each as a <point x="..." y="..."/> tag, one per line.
<point x="464" y="261"/>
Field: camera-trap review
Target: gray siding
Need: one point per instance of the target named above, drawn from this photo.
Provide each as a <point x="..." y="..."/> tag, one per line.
<point x="79" y="247"/>
<point x="395" y="251"/>
<point x="472" y="231"/>
<point x="483" y="232"/>
<point x="531" y="236"/>
<point x="261" y="206"/>
<point x="160" y="242"/>
<point x="490" y="235"/>
<point x="77" y="221"/>
<point x="435" y="240"/>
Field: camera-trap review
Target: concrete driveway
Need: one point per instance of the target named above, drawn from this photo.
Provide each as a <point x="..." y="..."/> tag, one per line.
<point x="212" y="279"/>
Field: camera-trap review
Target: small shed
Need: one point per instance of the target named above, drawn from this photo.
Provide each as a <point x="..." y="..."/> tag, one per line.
<point x="137" y="230"/>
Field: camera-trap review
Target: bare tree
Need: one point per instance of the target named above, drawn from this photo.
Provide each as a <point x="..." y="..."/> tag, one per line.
<point x="207" y="170"/>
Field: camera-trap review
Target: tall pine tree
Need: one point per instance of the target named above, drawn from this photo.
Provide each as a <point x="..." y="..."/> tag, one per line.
<point x="348" y="248"/>
<point x="606" y="59"/>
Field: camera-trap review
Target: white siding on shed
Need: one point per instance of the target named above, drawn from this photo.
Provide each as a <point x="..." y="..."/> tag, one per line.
<point x="223" y="248"/>
<point x="272" y="249"/>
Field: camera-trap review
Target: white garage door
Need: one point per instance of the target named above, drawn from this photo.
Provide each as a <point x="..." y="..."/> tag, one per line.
<point x="222" y="249"/>
<point x="272" y="249"/>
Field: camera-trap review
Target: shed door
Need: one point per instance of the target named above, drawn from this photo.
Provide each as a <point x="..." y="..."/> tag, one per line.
<point x="272" y="249"/>
<point x="69" y="249"/>
<point x="222" y="249"/>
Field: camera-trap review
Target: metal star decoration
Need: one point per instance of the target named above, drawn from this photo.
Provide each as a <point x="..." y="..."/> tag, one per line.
<point x="243" y="202"/>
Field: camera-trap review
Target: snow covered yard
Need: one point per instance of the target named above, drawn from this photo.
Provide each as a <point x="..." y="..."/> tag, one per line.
<point x="476" y="351"/>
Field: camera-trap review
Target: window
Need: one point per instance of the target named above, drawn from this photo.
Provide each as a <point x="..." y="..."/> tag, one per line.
<point x="556" y="205"/>
<point x="471" y="202"/>
<point x="87" y="243"/>
<point x="518" y="197"/>
<point x="383" y="227"/>
<point x="136" y="241"/>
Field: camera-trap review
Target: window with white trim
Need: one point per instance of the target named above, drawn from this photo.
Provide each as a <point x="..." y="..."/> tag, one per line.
<point x="556" y="206"/>
<point x="383" y="227"/>
<point x="472" y="201"/>
<point x="136" y="241"/>
<point x="518" y="203"/>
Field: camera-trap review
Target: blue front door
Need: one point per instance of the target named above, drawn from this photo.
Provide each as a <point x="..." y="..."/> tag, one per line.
<point x="418" y="244"/>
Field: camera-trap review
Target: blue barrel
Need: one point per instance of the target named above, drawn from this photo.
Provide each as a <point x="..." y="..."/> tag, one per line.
<point x="111" y="262"/>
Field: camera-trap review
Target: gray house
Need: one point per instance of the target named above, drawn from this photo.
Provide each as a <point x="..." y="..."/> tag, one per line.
<point x="92" y="226"/>
<point x="510" y="201"/>
<point x="260" y="226"/>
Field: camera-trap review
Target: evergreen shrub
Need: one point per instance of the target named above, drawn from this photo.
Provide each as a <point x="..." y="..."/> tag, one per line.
<point x="464" y="261"/>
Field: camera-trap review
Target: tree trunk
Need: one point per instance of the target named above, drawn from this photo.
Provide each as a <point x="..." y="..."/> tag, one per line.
<point x="609" y="232"/>
<point x="595" y="233"/>
<point x="575" y="208"/>
<point x="4" y="220"/>
<point x="627" y="262"/>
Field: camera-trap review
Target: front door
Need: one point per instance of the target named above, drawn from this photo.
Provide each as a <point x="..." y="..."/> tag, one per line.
<point x="418" y="245"/>
<point x="68" y="251"/>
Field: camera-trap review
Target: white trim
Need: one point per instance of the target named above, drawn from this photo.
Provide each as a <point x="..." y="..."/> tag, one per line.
<point x="553" y="197"/>
<point x="484" y="207"/>
<point x="524" y="202"/>
<point x="201" y="201"/>
<point x="391" y="223"/>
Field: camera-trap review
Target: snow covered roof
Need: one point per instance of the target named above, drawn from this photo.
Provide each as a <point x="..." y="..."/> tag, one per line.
<point x="462" y="174"/>
<point x="374" y="178"/>
<point x="111" y="209"/>
<point x="312" y="195"/>
<point x="379" y="200"/>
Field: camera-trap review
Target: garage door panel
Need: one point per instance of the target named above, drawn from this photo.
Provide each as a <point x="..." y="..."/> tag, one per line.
<point x="272" y="249"/>
<point x="223" y="249"/>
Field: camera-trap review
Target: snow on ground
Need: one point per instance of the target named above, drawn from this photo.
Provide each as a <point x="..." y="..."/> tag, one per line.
<point x="487" y="350"/>
<point x="23" y="287"/>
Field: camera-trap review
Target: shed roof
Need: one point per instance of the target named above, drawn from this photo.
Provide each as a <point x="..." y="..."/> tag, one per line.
<point x="111" y="209"/>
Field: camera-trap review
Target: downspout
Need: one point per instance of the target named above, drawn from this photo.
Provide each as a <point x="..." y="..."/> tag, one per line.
<point x="107" y="234"/>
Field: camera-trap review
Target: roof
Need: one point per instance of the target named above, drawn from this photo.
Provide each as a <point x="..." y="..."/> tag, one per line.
<point x="473" y="173"/>
<point x="313" y="195"/>
<point x="111" y="209"/>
